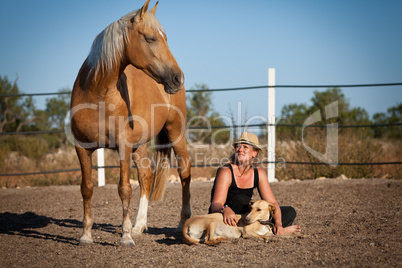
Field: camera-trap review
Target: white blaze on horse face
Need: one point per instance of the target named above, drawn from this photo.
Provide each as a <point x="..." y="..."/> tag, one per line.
<point x="161" y="33"/>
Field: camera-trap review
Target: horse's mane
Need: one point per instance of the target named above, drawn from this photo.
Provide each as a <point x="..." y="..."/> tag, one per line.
<point x="108" y="46"/>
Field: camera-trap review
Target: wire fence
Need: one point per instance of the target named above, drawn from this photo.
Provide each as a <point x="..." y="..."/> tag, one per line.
<point x="226" y="127"/>
<point x="220" y="127"/>
<point x="225" y="89"/>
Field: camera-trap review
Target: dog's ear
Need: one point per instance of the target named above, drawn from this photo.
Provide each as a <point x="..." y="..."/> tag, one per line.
<point x="272" y="208"/>
<point x="250" y="204"/>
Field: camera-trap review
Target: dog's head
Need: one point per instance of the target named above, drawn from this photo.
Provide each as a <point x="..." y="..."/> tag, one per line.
<point x="260" y="210"/>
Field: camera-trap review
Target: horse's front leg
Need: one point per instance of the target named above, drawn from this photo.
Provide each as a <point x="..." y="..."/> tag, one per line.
<point x="87" y="187"/>
<point x="125" y="195"/>
<point x="184" y="170"/>
<point x="143" y="164"/>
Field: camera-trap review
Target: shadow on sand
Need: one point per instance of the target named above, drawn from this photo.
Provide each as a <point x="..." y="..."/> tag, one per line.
<point x="31" y="225"/>
<point x="172" y="235"/>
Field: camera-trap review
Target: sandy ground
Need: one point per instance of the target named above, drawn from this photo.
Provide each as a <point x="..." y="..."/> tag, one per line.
<point x="350" y="223"/>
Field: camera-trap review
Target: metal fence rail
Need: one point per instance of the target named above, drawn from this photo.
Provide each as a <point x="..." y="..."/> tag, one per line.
<point x="224" y="127"/>
<point x="225" y="89"/>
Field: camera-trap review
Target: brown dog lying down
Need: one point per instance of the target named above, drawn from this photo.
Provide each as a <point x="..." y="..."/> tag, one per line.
<point x="211" y="229"/>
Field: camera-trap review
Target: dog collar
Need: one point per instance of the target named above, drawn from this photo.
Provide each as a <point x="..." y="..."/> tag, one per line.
<point x="267" y="222"/>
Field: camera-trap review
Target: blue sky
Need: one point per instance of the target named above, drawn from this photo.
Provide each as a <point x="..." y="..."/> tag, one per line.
<point x="222" y="44"/>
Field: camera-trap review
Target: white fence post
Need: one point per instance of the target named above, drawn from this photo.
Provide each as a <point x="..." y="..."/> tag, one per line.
<point x="271" y="124"/>
<point x="101" y="162"/>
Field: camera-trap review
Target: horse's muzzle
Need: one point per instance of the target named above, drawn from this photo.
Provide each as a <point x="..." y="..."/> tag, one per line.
<point x="174" y="83"/>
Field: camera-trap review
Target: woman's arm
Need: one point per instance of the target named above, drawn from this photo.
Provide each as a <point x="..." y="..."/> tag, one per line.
<point x="266" y="194"/>
<point x="222" y="183"/>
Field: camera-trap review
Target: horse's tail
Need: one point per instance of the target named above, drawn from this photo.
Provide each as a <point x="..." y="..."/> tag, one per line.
<point x="161" y="167"/>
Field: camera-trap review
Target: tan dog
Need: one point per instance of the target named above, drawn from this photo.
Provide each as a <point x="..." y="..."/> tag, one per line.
<point x="211" y="229"/>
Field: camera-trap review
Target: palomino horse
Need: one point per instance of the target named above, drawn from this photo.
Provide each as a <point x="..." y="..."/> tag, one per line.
<point x="129" y="90"/>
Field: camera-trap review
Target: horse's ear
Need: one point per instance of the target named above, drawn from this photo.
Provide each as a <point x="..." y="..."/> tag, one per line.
<point x="153" y="10"/>
<point x="141" y="13"/>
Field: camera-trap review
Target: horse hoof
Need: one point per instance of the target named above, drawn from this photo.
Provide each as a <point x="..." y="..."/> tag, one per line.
<point x="86" y="241"/>
<point x="127" y="243"/>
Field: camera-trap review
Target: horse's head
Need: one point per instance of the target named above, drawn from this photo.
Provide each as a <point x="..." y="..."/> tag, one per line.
<point x="147" y="49"/>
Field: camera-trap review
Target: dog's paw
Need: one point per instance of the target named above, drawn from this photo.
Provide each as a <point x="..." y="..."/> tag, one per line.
<point x="215" y="241"/>
<point x="300" y="235"/>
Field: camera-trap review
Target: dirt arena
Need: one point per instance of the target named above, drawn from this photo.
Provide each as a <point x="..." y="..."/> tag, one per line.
<point x="350" y="223"/>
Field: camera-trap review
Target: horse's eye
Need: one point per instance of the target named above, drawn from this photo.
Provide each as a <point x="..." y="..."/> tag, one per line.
<point x="150" y="39"/>
<point x="258" y="209"/>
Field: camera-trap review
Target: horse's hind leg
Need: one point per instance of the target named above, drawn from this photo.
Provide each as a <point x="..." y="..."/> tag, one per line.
<point x="125" y="195"/>
<point x="140" y="157"/>
<point x="85" y="158"/>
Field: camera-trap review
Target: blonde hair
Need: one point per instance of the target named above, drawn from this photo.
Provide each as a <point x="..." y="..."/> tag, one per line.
<point x="109" y="45"/>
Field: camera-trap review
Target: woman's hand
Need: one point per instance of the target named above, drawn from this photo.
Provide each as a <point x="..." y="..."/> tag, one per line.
<point x="229" y="217"/>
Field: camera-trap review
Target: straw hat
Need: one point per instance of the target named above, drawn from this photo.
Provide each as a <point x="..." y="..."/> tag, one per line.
<point x="248" y="138"/>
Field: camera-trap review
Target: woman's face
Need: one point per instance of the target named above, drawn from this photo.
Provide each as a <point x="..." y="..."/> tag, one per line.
<point x="244" y="152"/>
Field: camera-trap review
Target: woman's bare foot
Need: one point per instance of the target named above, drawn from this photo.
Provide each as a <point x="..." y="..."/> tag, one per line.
<point x="288" y="230"/>
<point x="292" y="229"/>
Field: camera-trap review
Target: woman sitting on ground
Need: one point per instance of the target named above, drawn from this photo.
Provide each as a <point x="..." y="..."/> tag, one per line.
<point x="234" y="184"/>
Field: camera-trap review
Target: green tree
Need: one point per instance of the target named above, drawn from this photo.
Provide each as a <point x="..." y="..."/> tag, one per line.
<point x="292" y="114"/>
<point x="27" y="114"/>
<point x="394" y="115"/>
<point x="200" y="114"/>
<point x="298" y="113"/>
<point x="57" y="109"/>
<point x="356" y="116"/>
<point x="7" y="104"/>
<point x="379" y="119"/>
<point x="322" y="99"/>
<point x="42" y="121"/>
<point x="16" y="112"/>
<point x="346" y="115"/>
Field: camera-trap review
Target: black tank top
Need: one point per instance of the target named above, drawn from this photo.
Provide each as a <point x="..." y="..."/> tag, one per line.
<point x="233" y="189"/>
